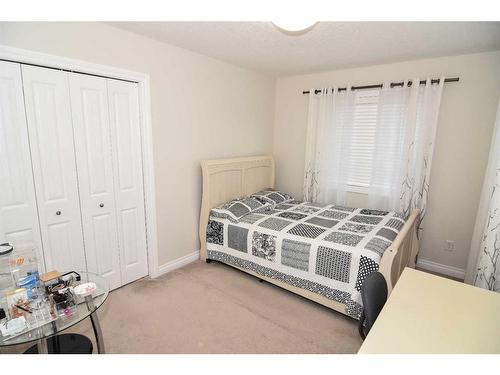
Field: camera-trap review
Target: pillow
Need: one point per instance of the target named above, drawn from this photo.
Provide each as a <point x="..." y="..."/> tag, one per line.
<point x="237" y="208"/>
<point x="272" y="197"/>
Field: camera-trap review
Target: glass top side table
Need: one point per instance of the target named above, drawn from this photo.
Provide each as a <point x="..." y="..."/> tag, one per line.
<point x="85" y="308"/>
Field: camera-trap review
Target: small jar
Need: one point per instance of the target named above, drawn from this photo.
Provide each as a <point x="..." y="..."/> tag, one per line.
<point x="3" y="316"/>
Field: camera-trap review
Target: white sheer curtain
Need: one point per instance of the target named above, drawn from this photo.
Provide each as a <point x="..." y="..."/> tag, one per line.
<point x="384" y="192"/>
<point x="483" y="267"/>
<point x="326" y="167"/>
<point x="404" y="147"/>
<point x="393" y="131"/>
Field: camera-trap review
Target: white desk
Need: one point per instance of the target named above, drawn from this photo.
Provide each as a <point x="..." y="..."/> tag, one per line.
<point x="431" y="314"/>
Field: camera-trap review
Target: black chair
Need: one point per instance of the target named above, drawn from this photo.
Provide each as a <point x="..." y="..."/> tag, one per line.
<point x="68" y="343"/>
<point x="374" y="296"/>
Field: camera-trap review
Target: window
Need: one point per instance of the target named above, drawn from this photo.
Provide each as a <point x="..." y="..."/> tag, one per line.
<point x="370" y="141"/>
<point x="361" y="139"/>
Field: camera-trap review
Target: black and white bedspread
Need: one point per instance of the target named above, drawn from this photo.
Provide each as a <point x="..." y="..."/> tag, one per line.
<point x="328" y="250"/>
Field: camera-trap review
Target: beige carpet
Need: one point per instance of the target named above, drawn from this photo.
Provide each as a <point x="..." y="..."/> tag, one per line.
<point x="213" y="308"/>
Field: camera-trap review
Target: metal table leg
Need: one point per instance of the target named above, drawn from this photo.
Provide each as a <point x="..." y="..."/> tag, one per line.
<point x="41" y="346"/>
<point x="95" y="324"/>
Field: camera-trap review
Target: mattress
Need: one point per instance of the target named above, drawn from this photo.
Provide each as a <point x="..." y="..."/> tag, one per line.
<point x="326" y="249"/>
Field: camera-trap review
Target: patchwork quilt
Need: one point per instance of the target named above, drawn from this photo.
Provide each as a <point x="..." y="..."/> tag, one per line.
<point x="328" y="250"/>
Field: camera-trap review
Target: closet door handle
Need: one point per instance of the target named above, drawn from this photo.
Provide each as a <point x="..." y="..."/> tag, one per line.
<point x="58" y="213"/>
<point x="101" y="205"/>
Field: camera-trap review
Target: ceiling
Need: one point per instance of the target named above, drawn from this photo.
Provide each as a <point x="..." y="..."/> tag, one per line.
<point x="328" y="46"/>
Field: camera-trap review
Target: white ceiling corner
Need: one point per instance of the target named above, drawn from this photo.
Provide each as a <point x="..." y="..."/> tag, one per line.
<point x="261" y="47"/>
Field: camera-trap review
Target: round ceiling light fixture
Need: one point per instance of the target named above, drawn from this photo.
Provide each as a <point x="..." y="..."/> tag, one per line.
<point x="294" y="27"/>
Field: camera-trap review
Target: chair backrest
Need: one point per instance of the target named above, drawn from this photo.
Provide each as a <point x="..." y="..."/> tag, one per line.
<point x="374" y="296"/>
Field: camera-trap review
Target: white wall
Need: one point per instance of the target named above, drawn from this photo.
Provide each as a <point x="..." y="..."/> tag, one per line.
<point x="201" y="108"/>
<point x="463" y="137"/>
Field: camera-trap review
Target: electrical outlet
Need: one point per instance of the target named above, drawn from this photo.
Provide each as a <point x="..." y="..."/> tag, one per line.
<point x="450" y="245"/>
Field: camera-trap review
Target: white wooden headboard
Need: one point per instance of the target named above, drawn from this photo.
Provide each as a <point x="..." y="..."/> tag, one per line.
<point x="226" y="179"/>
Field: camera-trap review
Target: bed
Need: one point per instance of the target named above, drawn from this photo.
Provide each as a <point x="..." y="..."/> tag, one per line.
<point x="321" y="252"/>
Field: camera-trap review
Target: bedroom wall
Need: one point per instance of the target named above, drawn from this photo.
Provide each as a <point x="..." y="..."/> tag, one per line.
<point x="462" y="142"/>
<point x="201" y="108"/>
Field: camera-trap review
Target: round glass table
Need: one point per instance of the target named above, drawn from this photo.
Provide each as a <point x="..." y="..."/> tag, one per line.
<point x="86" y="307"/>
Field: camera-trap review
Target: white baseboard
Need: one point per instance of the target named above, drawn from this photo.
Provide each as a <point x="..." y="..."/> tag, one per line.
<point x="429" y="265"/>
<point x="425" y="264"/>
<point x="178" y="263"/>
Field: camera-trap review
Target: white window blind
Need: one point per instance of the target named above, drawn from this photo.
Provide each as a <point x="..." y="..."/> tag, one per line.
<point x="362" y="138"/>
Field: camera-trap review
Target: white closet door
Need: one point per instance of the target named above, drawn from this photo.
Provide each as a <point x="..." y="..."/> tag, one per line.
<point x="126" y="136"/>
<point x="52" y="152"/>
<point x="89" y="105"/>
<point x="18" y="213"/>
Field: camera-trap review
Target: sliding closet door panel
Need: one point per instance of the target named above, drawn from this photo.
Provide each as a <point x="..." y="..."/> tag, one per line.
<point x="18" y="213"/>
<point x="89" y="103"/>
<point x="126" y="136"/>
<point x="52" y="151"/>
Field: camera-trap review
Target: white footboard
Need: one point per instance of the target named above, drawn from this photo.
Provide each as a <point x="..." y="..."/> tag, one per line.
<point x="402" y="253"/>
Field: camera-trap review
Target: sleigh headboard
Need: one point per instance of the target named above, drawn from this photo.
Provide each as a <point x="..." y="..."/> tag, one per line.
<point x="226" y="179"/>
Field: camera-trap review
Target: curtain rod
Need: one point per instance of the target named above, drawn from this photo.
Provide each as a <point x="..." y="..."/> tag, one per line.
<point x="393" y="84"/>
